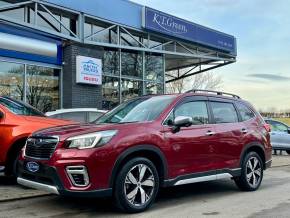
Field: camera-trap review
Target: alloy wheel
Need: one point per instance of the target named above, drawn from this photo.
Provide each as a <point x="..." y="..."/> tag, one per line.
<point x="253" y="172"/>
<point x="139" y="185"/>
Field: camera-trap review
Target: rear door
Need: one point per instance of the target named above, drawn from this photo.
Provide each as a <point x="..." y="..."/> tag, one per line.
<point x="228" y="133"/>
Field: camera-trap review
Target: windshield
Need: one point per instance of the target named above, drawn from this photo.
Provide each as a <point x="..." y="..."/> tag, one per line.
<point x="19" y="108"/>
<point x="137" y="110"/>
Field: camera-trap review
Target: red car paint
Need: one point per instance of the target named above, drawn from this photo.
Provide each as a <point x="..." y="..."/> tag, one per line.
<point x="189" y="151"/>
<point x="16" y="128"/>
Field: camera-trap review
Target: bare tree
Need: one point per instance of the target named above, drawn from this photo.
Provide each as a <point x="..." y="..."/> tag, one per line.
<point x="207" y="80"/>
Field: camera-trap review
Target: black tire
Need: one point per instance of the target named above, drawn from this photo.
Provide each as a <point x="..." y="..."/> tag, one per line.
<point x="11" y="168"/>
<point x="248" y="167"/>
<point x="125" y="187"/>
<point x="288" y="152"/>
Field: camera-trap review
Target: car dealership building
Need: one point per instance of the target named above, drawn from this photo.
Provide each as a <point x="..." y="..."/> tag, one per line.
<point x="67" y="54"/>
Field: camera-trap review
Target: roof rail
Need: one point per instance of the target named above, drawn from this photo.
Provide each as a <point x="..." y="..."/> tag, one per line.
<point x="213" y="92"/>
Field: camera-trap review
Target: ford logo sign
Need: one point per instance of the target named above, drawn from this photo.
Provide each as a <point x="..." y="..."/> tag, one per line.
<point x="32" y="166"/>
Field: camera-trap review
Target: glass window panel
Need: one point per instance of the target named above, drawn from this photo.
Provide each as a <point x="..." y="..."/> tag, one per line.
<point x="245" y="112"/>
<point x="88" y="29"/>
<point x="75" y="116"/>
<point x="19" y="107"/>
<point x="110" y="88"/>
<point x="131" y="64"/>
<point x="131" y="89"/>
<point x="224" y="112"/>
<point x="12" y="80"/>
<point x="127" y="40"/>
<point x="93" y="116"/>
<point x="46" y="20"/>
<point x="43" y="88"/>
<point x="66" y="22"/>
<point x="153" y="88"/>
<point x="111" y="64"/>
<point x="154" y="68"/>
<point x="196" y="109"/>
<point x="16" y="14"/>
<point x="107" y="36"/>
<point x="277" y="126"/>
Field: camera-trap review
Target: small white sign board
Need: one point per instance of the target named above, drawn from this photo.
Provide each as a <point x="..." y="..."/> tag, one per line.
<point x="89" y="70"/>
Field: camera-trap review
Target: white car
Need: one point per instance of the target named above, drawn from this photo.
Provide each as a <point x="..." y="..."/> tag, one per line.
<point x="83" y="115"/>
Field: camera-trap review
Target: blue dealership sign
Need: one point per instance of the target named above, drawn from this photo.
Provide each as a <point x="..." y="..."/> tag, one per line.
<point x="158" y="21"/>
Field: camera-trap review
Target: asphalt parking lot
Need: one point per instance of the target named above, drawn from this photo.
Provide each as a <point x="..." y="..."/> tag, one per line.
<point x="210" y="199"/>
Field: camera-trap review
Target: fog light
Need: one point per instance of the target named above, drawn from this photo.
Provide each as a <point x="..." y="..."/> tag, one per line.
<point x="78" y="175"/>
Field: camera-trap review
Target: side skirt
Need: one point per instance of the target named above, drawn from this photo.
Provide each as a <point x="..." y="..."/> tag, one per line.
<point x="203" y="177"/>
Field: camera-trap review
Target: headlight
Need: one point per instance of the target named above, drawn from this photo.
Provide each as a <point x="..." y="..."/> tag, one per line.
<point x="91" y="140"/>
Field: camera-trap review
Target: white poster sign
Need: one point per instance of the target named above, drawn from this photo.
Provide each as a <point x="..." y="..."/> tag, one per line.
<point x="89" y="70"/>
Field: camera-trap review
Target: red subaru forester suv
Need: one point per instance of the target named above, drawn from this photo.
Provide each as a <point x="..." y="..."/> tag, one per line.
<point x="151" y="142"/>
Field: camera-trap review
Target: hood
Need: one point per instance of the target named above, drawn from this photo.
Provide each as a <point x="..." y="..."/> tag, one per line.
<point x="48" y="121"/>
<point x="77" y="129"/>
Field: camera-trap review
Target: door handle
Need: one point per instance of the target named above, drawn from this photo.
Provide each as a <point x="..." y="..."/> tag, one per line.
<point x="244" y="131"/>
<point x="210" y="133"/>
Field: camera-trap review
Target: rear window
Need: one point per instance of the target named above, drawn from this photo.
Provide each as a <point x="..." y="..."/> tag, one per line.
<point x="75" y="116"/>
<point x="224" y="112"/>
<point x="245" y="112"/>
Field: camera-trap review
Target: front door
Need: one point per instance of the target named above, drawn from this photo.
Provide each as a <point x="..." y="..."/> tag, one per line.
<point x="192" y="146"/>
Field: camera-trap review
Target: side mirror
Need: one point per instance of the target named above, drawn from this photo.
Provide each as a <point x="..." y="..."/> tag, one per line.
<point x="288" y="130"/>
<point x="181" y="121"/>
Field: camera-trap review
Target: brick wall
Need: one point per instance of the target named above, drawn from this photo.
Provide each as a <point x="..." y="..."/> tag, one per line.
<point x="79" y="95"/>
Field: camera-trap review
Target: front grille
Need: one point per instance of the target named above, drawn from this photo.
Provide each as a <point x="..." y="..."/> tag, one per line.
<point x="40" y="148"/>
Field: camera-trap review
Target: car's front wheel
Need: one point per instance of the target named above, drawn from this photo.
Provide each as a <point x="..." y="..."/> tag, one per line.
<point x="251" y="174"/>
<point x="136" y="185"/>
<point x="288" y="152"/>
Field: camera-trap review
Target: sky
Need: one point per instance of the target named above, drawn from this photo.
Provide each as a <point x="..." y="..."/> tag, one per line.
<point x="261" y="74"/>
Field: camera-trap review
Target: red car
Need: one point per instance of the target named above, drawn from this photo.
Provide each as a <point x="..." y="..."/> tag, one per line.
<point x="17" y="121"/>
<point x="151" y="142"/>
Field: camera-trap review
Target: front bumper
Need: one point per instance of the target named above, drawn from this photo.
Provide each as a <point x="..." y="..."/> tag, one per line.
<point x="47" y="179"/>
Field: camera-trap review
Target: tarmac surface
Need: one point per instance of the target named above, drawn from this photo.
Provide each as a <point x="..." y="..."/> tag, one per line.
<point x="210" y="199"/>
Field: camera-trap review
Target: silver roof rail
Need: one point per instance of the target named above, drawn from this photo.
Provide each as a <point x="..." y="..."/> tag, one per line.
<point x="213" y="92"/>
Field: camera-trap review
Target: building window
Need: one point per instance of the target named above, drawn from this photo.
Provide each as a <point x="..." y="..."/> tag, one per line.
<point x="131" y="64"/>
<point x="111" y="64"/>
<point x="110" y="90"/>
<point x="42" y="88"/>
<point x="12" y="80"/>
<point x="154" y="67"/>
<point x="131" y="89"/>
<point x="153" y="88"/>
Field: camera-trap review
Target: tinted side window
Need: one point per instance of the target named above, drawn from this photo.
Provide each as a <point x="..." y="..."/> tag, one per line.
<point x="277" y="127"/>
<point x="76" y="116"/>
<point x="245" y="112"/>
<point x="195" y="109"/>
<point x="224" y="112"/>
